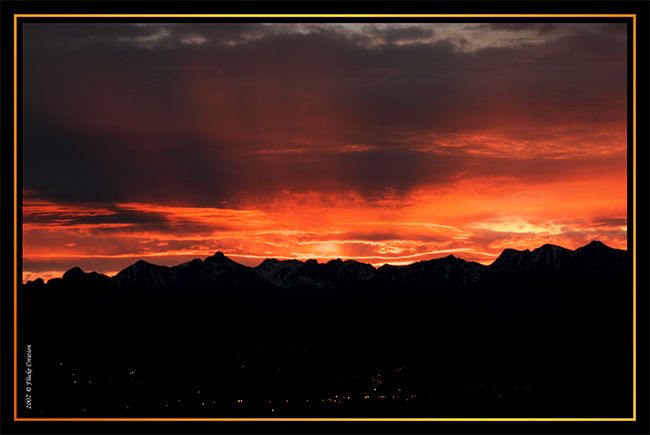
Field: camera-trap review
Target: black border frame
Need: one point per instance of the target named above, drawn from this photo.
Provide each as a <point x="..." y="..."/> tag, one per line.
<point x="638" y="7"/>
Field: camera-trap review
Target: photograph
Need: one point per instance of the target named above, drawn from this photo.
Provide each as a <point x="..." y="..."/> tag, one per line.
<point x="312" y="218"/>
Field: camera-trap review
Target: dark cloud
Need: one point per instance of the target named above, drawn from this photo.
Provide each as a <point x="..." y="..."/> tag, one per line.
<point x="556" y="30"/>
<point x="539" y="28"/>
<point x="107" y="215"/>
<point x="101" y="221"/>
<point x="377" y="36"/>
<point x="133" y="113"/>
<point x="61" y="165"/>
<point x="83" y="36"/>
<point x="197" y="173"/>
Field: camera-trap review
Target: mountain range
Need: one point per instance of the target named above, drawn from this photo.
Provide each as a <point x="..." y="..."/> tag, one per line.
<point x="294" y="276"/>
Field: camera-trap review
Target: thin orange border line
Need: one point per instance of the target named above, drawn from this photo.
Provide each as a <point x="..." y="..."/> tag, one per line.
<point x="16" y="16"/>
<point x="326" y="15"/>
<point x="15" y="217"/>
<point x="634" y="217"/>
<point x="320" y="419"/>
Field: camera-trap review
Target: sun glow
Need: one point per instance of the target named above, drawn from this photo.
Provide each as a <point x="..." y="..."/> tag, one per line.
<point x="468" y="220"/>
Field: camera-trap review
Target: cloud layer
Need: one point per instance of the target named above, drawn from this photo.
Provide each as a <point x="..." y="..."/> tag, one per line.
<point x="146" y="121"/>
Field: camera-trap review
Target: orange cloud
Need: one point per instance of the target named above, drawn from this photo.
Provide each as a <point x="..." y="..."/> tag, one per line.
<point x="473" y="219"/>
<point x="321" y="144"/>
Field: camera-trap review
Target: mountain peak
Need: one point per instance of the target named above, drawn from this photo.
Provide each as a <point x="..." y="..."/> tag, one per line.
<point x="338" y="261"/>
<point x="76" y="276"/>
<point x="271" y="261"/>
<point x="74" y="273"/>
<point x="549" y="247"/>
<point x="220" y="262"/>
<point x="549" y="256"/>
<point x="268" y="262"/>
<point x="219" y="257"/>
<point x="596" y="244"/>
<point x="596" y="247"/>
<point x="145" y="274"/>
<point x="510" y="257"/>
<point x="550" y="251"/>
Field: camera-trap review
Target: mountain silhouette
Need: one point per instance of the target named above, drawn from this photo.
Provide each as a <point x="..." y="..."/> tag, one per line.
<point x="311" y="275"/>
<point x="546" y="257"/>
<point x="220" y="272"/>
<point x="537" y="332"/>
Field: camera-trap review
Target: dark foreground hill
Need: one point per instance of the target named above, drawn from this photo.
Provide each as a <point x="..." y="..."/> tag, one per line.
<point x="546" y="332"/>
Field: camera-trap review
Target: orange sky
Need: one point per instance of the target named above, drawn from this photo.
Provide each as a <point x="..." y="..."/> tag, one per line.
<point x="385" y="143"/>
<point x="474" y="220"/>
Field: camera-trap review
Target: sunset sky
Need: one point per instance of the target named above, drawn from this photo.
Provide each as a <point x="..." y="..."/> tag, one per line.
<point x="385" y="143"/>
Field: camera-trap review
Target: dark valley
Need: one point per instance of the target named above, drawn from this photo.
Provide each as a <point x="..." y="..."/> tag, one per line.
<point x="541" y="333"/>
